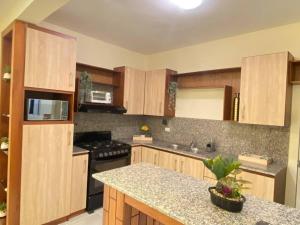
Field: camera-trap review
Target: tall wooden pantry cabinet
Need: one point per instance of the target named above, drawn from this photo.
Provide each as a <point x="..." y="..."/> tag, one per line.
<point x="39" y="170"/>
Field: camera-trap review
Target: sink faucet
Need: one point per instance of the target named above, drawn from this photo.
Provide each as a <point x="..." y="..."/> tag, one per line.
<point x="193" y="145"/>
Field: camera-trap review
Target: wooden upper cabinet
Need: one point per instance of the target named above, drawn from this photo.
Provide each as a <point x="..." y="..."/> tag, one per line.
<point x="134" y="91"/>
<point x="156" y="93"/>
<point x="265" y="89"/>
<point x="46" y="173"/>
<point x="50" y="61"/>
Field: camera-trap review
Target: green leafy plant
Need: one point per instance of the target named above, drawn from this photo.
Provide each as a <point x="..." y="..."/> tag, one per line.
<point x="85" y="86"/>
<point x="7" y="69"/>
<point x="226" y="171"/>
<point x="2" y="207"/>
<point x="4" y="140"/>
<point x="172" y="89"/>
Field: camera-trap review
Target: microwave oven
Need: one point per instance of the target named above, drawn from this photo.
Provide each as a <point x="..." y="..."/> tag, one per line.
<point x="101" y="97"/>
<point x="43" y="109"/>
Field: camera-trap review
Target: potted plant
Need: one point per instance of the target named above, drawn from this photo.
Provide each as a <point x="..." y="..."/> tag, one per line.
<point x="2" y="210"/>
<point x="4" y="143"/>
<point x="145" y="129"/>
<point x="85" y="87"/>
<point x="227" y="192"/>
<point x="7" y="71"/>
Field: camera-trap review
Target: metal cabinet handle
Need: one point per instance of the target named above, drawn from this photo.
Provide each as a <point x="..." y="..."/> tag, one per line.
<point x="69" y="138"/>
<point x="160" y="107"/>
<point x="155" y="159"/>
<point x="181" y="166"/>
<point x="85" y="166"/>
<point x="70" y="79"/>
<point x="175" y="164"/>
<point x="133" y="160"/>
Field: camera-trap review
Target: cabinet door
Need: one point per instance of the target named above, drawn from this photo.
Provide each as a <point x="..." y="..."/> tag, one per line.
<point x="150" y="155"/>
<point x="79" y="183"/>
<point x="191" y="167"/>
<point x="50" y="61"/>
<point x="134" y="91"/>
<point x="155" y="91"/>
<point x="46" y="173"/>
<point x="136" y="155"/>
<point x="260" y="186"/>
<point x="168" y="161"/>
<point x="265" y="92"/>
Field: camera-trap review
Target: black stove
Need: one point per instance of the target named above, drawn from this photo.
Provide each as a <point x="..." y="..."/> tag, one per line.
<point x="104" y="154"/>
<point x="106" y="149"/>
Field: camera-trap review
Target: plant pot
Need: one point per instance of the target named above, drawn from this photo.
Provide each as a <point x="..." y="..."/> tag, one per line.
<point x="4" y="146"/>
<point x="2" y="214"/>
<point x="225" y="203"/>
<point x="6" y="76"/>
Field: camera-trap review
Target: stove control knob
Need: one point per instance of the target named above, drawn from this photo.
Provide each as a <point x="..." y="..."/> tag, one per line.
<point x="100" y="155"/>
<point x="105" y="154"/>
<point x="110" y="153"/>
<point x="126" y="150"/>
<point x="118" y="152"/>
<point x="114" y="152"/>
<point x="122" y="151"/>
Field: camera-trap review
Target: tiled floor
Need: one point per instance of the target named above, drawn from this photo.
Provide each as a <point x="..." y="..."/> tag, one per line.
<point x="86" y="219"/>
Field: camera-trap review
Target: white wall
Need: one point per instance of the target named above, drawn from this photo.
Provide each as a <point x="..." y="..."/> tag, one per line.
<point x="98" y="53"/>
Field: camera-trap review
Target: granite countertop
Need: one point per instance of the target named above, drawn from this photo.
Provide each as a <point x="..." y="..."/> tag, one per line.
<point x="187" y="199"/>
<point x="79" y="151"/>
<point x="271" y="170"/>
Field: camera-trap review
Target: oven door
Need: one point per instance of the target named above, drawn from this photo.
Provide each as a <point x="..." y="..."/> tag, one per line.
<point x="98" y="166"/>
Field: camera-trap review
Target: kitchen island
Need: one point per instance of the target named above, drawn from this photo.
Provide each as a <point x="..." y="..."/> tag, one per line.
<point x="146" y="194"/>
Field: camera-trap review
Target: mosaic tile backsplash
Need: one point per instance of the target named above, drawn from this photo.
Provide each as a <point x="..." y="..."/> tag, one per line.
<point x="121" y="126"/>
<point x="229" y="137"/>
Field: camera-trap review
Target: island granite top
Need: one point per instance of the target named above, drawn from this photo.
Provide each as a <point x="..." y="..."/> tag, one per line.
<point x="271" y="170"/>
<point x="187" y="199"/>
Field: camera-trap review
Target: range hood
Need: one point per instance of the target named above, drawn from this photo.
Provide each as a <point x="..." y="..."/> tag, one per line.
<point x="103" y="108"/>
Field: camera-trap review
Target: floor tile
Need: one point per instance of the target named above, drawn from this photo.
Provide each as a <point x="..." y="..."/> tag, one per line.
<point x="86" y="219"/>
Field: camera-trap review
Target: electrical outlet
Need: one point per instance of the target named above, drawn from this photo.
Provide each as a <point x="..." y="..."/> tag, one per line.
<point x="167" y="129"/>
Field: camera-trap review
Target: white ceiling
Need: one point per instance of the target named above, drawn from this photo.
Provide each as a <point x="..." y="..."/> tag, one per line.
<point x="149" y="26"/>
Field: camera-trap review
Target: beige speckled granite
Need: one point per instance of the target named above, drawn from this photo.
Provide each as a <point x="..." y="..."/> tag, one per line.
<point x="187" y="200"/>
<point x="272" y="170"/>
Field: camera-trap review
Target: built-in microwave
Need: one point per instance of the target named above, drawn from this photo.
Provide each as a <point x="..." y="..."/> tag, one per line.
<point x="101" y="97"/>
<point x="44" y="109"/>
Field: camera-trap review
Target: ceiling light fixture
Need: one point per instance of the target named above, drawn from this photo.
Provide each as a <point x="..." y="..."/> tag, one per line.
<point x="187" y="4"/>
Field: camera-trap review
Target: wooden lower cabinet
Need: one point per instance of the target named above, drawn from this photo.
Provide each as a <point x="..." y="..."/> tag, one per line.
<point x="260" y="186"/>
<point x="150" y="155"/>
<point x="136" y="155"/>
<point x="191" y="167"/>
<point x="263" y="187"/>
<point x="188" y="166"/>
<point x="79" y="183"/>
<point x="46" y="173"/>
<point x="181" y="164"/>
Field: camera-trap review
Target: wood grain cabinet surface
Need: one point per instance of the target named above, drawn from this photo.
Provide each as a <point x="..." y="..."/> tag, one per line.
<point x="46" y="173"/>
<point x="265" y="89"/>
<point x="155" y="88"/>
<point x="150" y="155"/>
<point x="134" y="91"/>
<point x="79" y="183"/>
<point x="50" y="61"/>
<point x="136" y="155"/>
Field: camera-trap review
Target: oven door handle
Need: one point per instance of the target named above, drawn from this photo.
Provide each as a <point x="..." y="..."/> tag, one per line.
<point x="110" y="160"/>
